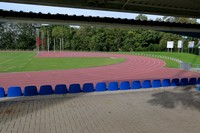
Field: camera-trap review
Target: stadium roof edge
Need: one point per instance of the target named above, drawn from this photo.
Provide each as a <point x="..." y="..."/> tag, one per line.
<point x="11" y="13"/>
<point x="184" y="8"/>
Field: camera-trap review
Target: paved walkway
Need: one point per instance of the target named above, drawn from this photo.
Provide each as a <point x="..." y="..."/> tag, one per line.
<point x="143" y="111"/>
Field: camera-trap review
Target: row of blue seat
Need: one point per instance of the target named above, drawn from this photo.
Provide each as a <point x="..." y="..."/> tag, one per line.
<point x="15" y="91"/>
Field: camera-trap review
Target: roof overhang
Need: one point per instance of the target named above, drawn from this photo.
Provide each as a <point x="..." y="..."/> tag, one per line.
<point x="184" y="8"/>
<point x="178" y="28"/>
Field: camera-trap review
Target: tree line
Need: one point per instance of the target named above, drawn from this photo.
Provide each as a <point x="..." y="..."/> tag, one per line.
<point x="22" y="36"/>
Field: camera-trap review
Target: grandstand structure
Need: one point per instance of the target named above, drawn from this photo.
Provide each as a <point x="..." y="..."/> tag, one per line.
<point x="181" y="8"/>
<point x="162" y="7"/>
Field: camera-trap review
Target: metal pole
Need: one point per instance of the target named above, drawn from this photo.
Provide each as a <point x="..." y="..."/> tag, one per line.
<point x="42" y="40"/>
<point x="62" y="36"/>
<point x="48" y="40"/>
<point x="38" y="40"/>
<point x="54" y="45"/>
<point x="60" y="44"/>
<point x="199" y="51"/>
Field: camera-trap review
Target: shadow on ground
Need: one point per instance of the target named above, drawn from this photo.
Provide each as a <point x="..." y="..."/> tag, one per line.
<point x="187" y="97"/>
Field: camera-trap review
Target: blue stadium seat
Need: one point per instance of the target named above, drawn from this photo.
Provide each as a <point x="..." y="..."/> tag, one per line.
<point x="192" y="81"/>
<point x="175" y="82"/>
<point x="30" y="91"/>
<point x="45" y="90"/>
<point x="14" y="91"/>
<point x="74" y="88"/>
<point x="112" y="86"/>
<point x="60" y="89"/>
<point x="156" y="83"/>
<point x="2" y="92"/>
<point x="135" y="85"/>
<point x="198" y="81"/>
<point x="198" y="88"/>
<point x="146" y="84"/>
<point x="166" y="83"/>
<point x="88" y="87"/>
<point x="124" y="85"/>
<point x="184" y="81"/>
<point x="101" y="86"/>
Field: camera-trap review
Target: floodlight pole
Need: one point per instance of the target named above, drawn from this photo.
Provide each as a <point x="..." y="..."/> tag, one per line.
<point x="48" y="40"/>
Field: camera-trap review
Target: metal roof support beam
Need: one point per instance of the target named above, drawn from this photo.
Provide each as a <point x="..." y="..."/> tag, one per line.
<point x="8" y="16"/>
<point x="125" y="4"/>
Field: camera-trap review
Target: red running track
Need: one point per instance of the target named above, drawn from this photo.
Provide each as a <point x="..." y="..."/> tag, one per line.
<point x="134" y="68"/>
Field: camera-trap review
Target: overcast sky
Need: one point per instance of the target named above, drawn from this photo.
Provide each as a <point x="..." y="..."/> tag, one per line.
<point x="69" y="11"/>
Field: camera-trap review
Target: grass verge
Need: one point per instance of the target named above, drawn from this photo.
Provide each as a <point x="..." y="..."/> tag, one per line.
<point x="192" y="59"/>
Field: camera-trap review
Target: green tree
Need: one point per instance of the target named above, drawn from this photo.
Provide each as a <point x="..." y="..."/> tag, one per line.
<point x="141" y="17"/>
<point x="25" y="37"/>
<point x="180" y="19"/>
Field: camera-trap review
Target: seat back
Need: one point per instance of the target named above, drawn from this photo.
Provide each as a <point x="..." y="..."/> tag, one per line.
<point x="74" y="88"/>
<point x="88" y="87"/>
<point x="184" y="81"/>
<point x="156" y="83"/>
<point x="135" y="85"/>
<point x="100" y="86"/>
<point x="146" y="84"/>
<point x="45" y="90"/>
<point x="14" y="91"/>
<point x="30" y="91"/>
<point x="198" y="81"/>
<point x="192" y="81"/>
<point x="60" y="89"/>
<point x="175" y="82"/>
<point x="166" y="83"/>
<point x="112" y="86"/>
<point x="124" y="85"/>
<point x="2" y="92"/>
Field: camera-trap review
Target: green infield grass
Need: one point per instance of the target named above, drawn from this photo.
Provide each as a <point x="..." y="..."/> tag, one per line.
<point x="26" y="61"/>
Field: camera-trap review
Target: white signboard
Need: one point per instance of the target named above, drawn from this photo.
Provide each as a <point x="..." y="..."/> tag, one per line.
<point x="199" y="44"/>
<point x="180" y="44"/>
<point x="170" y="44"/>
<point x="191" y="44"/>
